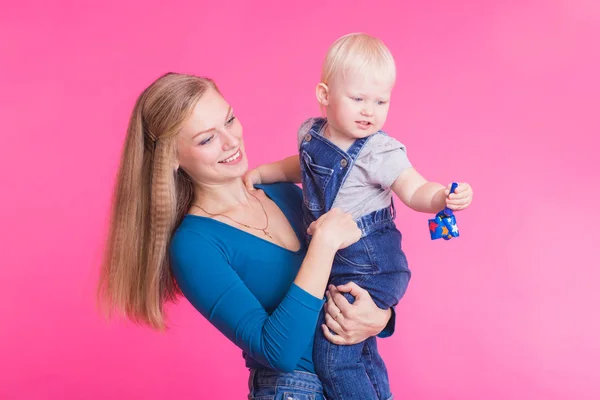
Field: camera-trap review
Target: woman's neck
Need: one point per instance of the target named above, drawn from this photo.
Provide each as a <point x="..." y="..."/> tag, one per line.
<point x="222" y="198"/>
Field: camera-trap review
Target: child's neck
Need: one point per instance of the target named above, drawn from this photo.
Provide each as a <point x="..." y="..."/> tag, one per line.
<point x="338" y="138"/>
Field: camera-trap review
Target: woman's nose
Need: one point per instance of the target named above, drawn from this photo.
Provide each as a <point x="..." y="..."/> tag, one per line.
<point x="230" y="140"/>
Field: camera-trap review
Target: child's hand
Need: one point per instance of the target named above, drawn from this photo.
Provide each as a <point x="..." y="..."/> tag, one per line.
<point x="252" y="178"/>
<point x="461" y="198"/>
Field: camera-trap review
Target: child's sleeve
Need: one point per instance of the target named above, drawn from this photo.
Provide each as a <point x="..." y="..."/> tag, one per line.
<point x="387" y="159"/>
<point x="304" y="129"/>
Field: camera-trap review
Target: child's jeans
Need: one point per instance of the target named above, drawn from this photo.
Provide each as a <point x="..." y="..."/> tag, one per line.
<point x="376" y="263"/>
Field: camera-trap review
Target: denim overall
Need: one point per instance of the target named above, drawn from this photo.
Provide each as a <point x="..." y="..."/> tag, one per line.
<point x="376" y="263"/>
<point x="266" y="384"/>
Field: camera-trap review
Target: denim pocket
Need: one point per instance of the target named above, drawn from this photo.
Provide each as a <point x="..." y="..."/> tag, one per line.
<point x="296" y="396"/>
<point x="281" y="395"/>
<point x="314" y="182"/>
<point x="354" y="260"/>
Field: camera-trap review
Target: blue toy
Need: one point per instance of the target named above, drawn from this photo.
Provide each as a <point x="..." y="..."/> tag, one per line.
<point x="444" y="223"/>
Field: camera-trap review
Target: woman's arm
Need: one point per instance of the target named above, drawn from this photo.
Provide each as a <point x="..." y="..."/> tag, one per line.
<point x="212" y="286"/>
<point x="332" y="231"/>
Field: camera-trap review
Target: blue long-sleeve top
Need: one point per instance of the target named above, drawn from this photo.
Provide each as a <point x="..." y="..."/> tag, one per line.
<point x="244" y="285"/>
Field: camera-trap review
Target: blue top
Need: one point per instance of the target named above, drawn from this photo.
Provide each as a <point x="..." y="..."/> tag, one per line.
<point x="244" y="285"/>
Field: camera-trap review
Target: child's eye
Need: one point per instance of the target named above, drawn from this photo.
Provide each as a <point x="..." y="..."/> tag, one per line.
<point x="207" y="140"/>
<point x="230" y="120"/>
<point x="381" y="102"/>
<point x="357" y="99"/>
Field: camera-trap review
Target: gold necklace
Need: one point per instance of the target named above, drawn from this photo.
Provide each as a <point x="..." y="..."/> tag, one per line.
<point x="264" y="230"/>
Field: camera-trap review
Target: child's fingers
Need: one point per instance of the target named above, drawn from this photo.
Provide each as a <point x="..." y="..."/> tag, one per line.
<point x="457" y="203"/>
<point x="465" y="187"/>
<point x="461" y="188"/>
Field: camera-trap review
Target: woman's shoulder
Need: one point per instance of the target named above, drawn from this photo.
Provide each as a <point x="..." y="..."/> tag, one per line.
<point x="188" y="233"/>
<point x="192" y="236"/>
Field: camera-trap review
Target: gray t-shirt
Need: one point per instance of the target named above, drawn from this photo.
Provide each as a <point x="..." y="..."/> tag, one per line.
<point x="368" y="185"/>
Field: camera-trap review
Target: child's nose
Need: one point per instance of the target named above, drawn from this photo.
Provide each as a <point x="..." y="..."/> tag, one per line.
<point x="367" y="111"/>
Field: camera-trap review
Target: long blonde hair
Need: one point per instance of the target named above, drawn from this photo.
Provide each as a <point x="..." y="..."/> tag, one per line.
<point x="150" y="200"/>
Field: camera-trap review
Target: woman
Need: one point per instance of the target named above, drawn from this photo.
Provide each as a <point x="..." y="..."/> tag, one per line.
<point x="183" y="220"/>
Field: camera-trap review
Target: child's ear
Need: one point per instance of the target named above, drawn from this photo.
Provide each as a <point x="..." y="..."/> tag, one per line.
<point x="323" y="94"/>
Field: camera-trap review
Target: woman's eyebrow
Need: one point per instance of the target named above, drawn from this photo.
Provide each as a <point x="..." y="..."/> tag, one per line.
<point x="212" y="129"/>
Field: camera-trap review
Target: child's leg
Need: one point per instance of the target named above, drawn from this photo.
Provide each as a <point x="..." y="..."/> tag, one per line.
<point x="357" y="371"/>
<point x="376" y="369"/>
<point x="343" y="372"/>
<point x="377" y="264"/>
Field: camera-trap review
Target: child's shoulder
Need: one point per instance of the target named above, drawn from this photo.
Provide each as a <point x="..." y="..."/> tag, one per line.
<point x="315" y="123"/>
<point x="308" y="123"/>
<point x="382" y="142"/>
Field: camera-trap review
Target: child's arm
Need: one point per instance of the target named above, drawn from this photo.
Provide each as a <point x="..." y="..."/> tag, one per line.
<point x="286" y="170"/>
<point x="430" y="197"/>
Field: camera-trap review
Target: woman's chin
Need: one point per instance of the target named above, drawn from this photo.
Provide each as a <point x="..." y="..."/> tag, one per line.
<point x="236" y="170"/>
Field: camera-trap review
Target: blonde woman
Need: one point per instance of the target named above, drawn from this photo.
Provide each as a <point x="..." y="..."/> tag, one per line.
<point x="183" y="220"/>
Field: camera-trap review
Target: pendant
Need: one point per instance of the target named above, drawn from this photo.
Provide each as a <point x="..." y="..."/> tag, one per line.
<point x="267" y="233"/>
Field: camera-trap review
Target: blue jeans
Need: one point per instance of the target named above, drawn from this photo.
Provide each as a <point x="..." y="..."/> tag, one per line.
<point x="358" y="371"/>
<point x="266" y="384"/>
<point x="376" y="263"/>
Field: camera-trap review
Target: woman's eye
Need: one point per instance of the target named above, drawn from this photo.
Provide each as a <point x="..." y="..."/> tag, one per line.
<point x="207" y="140"/>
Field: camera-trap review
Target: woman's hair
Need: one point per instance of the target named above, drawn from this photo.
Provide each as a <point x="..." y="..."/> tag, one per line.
<point x="150" y="200"/>
<point x="361" y="53"/>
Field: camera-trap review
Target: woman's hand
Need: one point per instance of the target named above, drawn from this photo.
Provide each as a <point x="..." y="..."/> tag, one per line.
<point x="352" y="323"/>
<point x="335" y="229"/>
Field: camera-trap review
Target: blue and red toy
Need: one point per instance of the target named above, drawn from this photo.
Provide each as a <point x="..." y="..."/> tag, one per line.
<point x="444" y="223"/>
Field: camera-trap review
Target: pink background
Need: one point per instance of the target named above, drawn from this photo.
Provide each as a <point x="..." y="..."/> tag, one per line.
<point x="499" y="94"/>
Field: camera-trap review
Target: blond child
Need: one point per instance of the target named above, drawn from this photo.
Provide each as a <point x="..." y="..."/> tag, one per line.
<point x="346" y="161"/>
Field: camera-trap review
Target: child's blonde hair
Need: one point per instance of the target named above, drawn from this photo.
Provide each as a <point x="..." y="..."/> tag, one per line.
<point x="360" y="53"/>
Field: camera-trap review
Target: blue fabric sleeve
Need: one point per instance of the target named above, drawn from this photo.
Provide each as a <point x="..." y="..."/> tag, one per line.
<point x="391" y="325"/>
<point x="211" y="285"/>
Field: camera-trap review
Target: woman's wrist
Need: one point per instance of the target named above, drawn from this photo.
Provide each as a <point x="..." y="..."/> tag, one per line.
<point x="324" y="243"/>
<point x="313" y="273"/>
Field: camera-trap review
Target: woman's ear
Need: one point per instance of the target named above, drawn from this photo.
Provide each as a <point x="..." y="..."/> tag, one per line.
<point x="322" y="94"/>
<point x="176" y="161"/>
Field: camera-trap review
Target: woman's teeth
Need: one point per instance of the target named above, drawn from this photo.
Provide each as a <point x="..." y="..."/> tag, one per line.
<point x="232" y="158"/>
